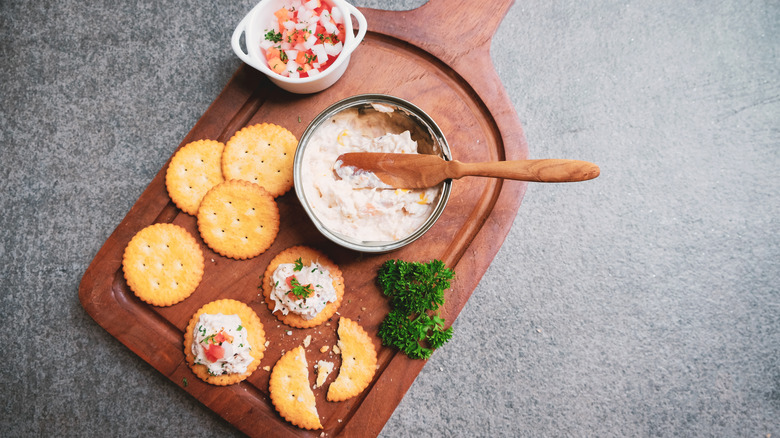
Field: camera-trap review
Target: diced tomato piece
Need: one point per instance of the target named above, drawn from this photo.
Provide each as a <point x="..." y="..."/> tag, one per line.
<point x="277" y="65"/>
<point x="282" y="14"/>
<point x="273" y="52"/>
<point x="299" y="36"/>
<point x="222" y="337"/>
<point x="289" y="281"/>
<point x="214" y="352"/>
<point x="301" y="58"/>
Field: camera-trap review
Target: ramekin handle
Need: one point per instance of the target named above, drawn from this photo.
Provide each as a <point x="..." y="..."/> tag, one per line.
<point x="236" y="39"/>
<point x="362" y="26"/>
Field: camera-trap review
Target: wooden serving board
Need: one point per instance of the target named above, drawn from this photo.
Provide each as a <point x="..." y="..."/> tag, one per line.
<point x="437" y="57"/>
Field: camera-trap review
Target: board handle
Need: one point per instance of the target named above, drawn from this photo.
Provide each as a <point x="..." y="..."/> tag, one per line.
<point x="477" y="18"/>
<point x="433" y="25"/>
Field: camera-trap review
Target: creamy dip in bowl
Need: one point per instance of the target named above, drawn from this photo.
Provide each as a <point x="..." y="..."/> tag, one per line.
<point x="349" y="208"/>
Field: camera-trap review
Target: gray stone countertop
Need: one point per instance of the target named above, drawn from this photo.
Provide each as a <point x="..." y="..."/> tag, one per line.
<point x="643" y="303"/>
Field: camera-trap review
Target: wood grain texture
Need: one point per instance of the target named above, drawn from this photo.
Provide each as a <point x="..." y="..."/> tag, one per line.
<point x="415" y="55"/>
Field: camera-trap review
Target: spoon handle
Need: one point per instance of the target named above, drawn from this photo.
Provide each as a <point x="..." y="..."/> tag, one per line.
<point x="545" y="170"/>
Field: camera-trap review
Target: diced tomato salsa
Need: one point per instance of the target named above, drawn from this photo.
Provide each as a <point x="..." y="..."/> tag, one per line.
<point x="303" y="38"/>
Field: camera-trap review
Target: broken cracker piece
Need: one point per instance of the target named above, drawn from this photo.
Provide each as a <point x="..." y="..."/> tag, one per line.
<point x="358" y="361"/>
<point x="290" y="392"/>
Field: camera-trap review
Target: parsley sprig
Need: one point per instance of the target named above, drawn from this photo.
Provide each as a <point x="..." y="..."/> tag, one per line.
<point x="416" y="292"/>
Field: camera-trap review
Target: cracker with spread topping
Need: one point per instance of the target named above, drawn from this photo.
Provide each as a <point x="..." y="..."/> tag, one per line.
<point x="255" y="336"/>
<point x="238" y="219"/>
<point x="290" y="392"/>
<point x="262" y="154"/>
<point x="163" y="264"/>
<point x="305" y="255"/>
<point x="358" y="361"/>
<point x="193" y="171"/>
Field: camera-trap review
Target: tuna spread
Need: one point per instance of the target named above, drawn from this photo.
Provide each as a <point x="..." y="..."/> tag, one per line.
<point x="303" y="290"/>
<point x="357" y="204"/>
<point x="220" y="343"/>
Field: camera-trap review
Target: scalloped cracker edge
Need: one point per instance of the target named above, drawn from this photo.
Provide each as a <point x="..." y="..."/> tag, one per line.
<point x="358" y="361"/>
<point x="163" y="264"/>
<point x="290" y="392"/>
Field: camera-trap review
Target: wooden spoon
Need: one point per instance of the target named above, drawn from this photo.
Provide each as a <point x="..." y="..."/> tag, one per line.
<point x="417" y="171"/>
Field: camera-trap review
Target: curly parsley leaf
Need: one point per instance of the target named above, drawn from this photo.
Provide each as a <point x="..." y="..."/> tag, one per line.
<point x="416" y="290"/>
<point x="298" y="265"/>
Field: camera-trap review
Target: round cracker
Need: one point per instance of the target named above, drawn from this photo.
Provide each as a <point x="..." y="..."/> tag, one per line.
<point x="193" y="171"/>
<point x="255" y="337"/>
<point x="262" y="154"/>
<point x="290" y="392"/>
<point x="307" y="256"/>
<point x="163" y="264"/>
<point x="358" y="361"/>
<point x="238" y="219"/>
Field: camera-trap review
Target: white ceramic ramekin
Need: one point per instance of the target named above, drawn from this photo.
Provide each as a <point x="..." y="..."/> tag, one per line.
<point x="252" y="26"/>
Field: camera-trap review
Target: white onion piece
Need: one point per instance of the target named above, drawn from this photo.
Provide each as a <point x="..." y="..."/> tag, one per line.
<point x="330" y="27"/>
<point x="324" y="18"/>
<point x="333" y="49"/>
<point x="304" y="15"/>
<point x="338" y="17"/>
<point x="310" y="42"/>
<point x="320" y="53"/>
<point x="292" y="67"/>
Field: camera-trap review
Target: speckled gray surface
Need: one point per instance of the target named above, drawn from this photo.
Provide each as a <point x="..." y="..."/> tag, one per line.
<point x="643" y="303"/>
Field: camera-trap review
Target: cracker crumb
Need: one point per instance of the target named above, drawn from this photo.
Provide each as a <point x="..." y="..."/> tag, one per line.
<point x="336" y="349"/>
<point x="324" y="368"/>
<point x="324" y="348"/>
<point x="289" y="332"/>
<point x="363" y="309"/>
<point x="267" y="368"/>
<point x="307" y="341"/>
